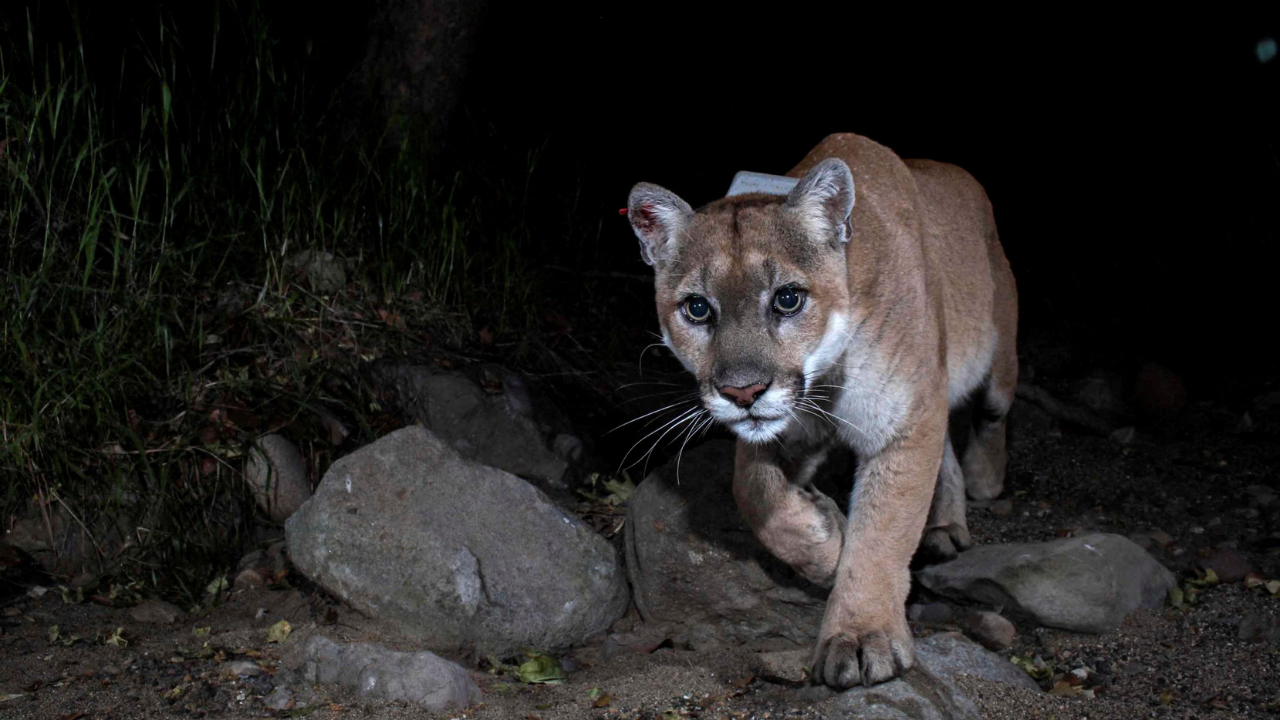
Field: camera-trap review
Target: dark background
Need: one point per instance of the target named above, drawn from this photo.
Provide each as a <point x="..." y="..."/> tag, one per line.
<point x="1133" y="162"/>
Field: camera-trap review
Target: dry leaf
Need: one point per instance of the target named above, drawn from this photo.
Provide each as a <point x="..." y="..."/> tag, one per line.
<point x="279" y="632"/>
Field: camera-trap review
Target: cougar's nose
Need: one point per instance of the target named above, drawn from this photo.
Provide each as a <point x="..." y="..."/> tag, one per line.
<point x="743" y="396"/>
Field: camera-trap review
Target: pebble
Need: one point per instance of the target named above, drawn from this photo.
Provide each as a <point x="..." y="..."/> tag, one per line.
<point x="932" y="613"/>
<point x="1229" y="564"/>
<point x="1257" y="627"/>
<point x="991" y="629"/>
<point x="156" y="612"/>
<point x="1124" y="435"/>
<point x="242" y="668"/>
<point x="1261" y="495"/>
<point x="280" y="699"/>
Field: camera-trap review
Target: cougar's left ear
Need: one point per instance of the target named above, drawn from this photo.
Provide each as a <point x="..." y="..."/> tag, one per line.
<point x="823" y="200"/>
<point x="657" y="216"/>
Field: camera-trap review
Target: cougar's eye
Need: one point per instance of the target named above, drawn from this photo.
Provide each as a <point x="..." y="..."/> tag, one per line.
<point x="697" y="309"/>
<point x="788" y="300"/>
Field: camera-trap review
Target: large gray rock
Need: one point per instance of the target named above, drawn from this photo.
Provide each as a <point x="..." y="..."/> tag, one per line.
<point x="498" y="424"/>
<point x="458" y="554"/>
<point x="695" y="566"/>
<point x="375" y="672"/>
<point x="1087" y="584"/>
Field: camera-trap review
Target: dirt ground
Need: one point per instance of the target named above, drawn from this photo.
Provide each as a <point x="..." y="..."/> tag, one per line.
<point x="1188" y="487"/>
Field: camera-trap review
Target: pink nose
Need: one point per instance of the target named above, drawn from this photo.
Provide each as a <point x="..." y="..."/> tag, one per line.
<point x="743" y="396"/>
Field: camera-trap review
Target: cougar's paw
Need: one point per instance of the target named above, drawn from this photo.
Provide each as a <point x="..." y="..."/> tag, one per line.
<point x="845" y="658"/>
<point x="944" y="543"/>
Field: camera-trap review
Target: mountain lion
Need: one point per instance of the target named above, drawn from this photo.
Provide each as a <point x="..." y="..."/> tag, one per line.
<point x="810" y="320"/>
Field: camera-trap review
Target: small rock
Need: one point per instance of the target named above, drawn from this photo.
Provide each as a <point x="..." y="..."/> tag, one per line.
<point x="993" y="630"/>
<point x="236" y="639"/>
<point x="1101" y="392"/>
<point x="1267" y="401"/>
<point x="785" y="666"/>
<point x="1261" y="495"/>
<point x="280" y="699"/>
<point x="1124" y="435"/>
<point x="568" y="447"/>
<point x="931" y="613"/>
<point x="513" y="429"/>
<point x="1088" y="583"/>
<point x="155" y="612"/>
<point x="247" y="579"/>
<point x="277" y="472"/>
<point x="1149" y="539"/>
<point x="242" y="668"/>
<point x="1002" y="508"/>
<point x="110" y="670"/>
<point x="377" y="673"/>
<point x="1257" y="627"/>
<point x="322" y="271"/>
<point x="1229" y="564"/>
<point x="643" y="641"/>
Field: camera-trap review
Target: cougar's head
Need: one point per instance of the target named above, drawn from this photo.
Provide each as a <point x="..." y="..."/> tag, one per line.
<point x="752" y="292"/>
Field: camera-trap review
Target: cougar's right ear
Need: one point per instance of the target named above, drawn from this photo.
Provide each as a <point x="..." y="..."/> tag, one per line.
<point x="657" y="216"/>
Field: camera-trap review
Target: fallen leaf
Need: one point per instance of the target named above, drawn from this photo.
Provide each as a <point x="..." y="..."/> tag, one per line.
<point x="1036" y="668"/>
<point x="1253" y="580"/>
<point x="1065" y="689"/>
<point x="603" y="701"/>
<point x="1205" y="578"/>
<point x="279" y="632"/>
<point x="216" y="585"/>
<point x="1273" y="587"/>
<point x="201" y="631"/>
<point x="11" y="696"/>
<point x="1176" y="598"/>
<point x="116" y="638"/>
<point x="540" y="668"/>
<point x="619" y="491"/>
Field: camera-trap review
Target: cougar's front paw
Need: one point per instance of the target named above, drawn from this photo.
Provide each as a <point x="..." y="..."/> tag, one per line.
<point x="945" y="543"/>
<point x="861" y="650"/>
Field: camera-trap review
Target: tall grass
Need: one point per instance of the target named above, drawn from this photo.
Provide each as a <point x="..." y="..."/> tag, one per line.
<point x="149" y="324"/>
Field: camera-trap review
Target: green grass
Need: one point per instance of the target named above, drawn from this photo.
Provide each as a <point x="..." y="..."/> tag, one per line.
<point x="149" y="326"/>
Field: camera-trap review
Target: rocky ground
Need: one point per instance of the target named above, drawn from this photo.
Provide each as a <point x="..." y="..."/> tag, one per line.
<point x="1198" y="492"/>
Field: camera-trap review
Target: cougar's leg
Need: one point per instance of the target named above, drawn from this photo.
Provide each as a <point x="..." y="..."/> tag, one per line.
<point x="947" y="531"/>
<point x="793" y="519"/>
<point x="864" y="637"/>
<point x="984" y="458"/>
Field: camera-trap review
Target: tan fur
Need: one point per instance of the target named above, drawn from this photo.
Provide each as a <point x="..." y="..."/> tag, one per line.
<point x="910" y="310"/>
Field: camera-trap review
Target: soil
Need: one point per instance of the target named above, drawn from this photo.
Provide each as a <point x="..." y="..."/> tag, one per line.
<point x="1185" y="487"/>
